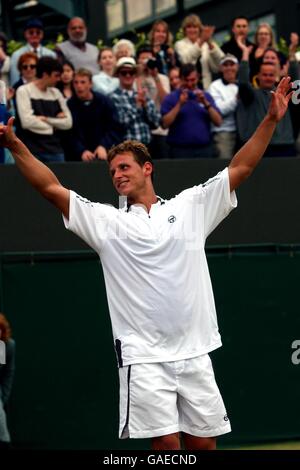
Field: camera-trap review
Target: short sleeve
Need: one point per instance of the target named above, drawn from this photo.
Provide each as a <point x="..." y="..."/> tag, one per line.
<point x="92" y="222"/>
<point x="218" y="200"/>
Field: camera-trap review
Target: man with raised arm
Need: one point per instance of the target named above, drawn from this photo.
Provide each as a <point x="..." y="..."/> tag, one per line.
<point x="158" y="286"/>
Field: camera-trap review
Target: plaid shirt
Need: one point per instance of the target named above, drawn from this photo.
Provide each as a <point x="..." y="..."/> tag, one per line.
<point x="137" y="121"/>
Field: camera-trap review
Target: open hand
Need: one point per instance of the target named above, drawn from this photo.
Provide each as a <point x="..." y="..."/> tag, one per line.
<point x="280" y="99"/>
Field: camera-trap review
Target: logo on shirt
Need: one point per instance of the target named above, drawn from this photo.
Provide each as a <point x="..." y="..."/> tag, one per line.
<point x="171" y="219"/>
<point x="226" y="418"/>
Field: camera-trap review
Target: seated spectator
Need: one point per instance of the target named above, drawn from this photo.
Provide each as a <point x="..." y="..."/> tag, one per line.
<point x="123" y="48"/>
<point x="33" y="33"/>
<point x="65" y="85"/>
<point x="197" y="47"/>
<point x="95" y="121"/>
<point x="239" y="30"/>
<point x="43" y="111"/>
<point x="104" y="81"/>
<point x="161" y="42"/>
<point x="225" y="94"/>
<point x="76" y="49"/>
<point x="252" y="105"/>
<point x="188" y="113"/>
<point x="4" y="59"/>
<point x="137" y="113"/>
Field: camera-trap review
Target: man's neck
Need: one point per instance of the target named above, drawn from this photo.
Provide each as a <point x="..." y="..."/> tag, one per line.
<point x="146" y="200"/>
<point x="40" y="84"/>
<point x="87" y="97"/>
<point x="79" y="45"/>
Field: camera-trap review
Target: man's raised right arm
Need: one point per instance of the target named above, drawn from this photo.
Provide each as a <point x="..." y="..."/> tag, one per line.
<point x="36" y="173"/>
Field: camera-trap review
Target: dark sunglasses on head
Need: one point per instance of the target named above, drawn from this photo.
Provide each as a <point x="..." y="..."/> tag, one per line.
<point x="29" y="66"/>
<point x="127" y="72"/>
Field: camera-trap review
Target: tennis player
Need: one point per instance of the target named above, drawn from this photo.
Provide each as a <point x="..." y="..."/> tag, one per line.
<point x="157" y="280"/>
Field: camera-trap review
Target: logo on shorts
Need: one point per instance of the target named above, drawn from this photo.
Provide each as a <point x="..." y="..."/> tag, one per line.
<point x="226" y="418"/>
<point x="171" y="219"/>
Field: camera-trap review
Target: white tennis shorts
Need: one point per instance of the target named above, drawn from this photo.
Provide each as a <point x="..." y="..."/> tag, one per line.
<point x="163" y="398"/>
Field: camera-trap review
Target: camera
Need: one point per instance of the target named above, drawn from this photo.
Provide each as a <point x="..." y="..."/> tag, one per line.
<point x="191" y="95"/>
<point x="152" y="64"/>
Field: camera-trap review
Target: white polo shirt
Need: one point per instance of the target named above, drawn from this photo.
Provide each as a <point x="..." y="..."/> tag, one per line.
<point x="157" y="280"/>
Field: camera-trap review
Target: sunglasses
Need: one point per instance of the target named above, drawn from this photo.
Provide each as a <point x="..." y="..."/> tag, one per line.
<point x="124" y="73"/>
<point x="34" y="32"/>
<point x="29" y="66"/>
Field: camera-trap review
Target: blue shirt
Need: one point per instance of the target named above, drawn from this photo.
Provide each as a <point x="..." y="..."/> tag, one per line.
<point x="192" y="126"/>
<point x="4" y="116"/>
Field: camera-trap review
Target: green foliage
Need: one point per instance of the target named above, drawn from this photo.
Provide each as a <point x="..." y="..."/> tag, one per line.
<point x="179" y="35"/>
<point x="52" y="44"/>
<point x="60" y="38"/>
<point x="13" y="46"/>
<point x="141" y="39"/>
<point x="100" y="43"/>
<point x="283" y="46"/>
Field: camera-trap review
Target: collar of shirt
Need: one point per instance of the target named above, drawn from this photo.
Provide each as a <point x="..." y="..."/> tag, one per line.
<point x="129" y="93"/>
<point x="137" y="208"/>
<point x="36" y="50"/>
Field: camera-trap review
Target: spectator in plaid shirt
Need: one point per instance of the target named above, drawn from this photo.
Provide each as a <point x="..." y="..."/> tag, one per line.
<point x="137" y="113"/>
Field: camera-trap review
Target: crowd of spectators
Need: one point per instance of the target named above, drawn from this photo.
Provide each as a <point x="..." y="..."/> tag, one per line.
<point x="189" y="98"/>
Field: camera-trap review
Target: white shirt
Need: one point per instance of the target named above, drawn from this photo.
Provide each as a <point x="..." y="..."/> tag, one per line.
<point x="104" y="83"/>
<point x="157" y="280"/>
<point x="226" y="98"/>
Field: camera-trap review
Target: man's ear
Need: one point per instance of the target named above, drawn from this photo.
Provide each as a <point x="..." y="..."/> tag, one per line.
<point x="148" y="168"/>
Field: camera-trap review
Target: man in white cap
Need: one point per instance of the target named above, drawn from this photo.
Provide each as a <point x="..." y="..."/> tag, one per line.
<point x="225" y="93"/>
<point x="137" y="112"/>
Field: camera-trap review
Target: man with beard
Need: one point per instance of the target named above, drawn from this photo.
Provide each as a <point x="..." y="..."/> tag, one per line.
<point x="76" y="50"/>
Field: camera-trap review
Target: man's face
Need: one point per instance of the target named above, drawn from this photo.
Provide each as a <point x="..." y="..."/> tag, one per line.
<point x="77" y="30"/>
<point x="127" y="76"/>
<point x="267" y="77"/>
<point x="240" y="27"/>
<point x="53" y="78"/>
<point x="229" y="70"/>
<point x="34" y="36"/>
<point x="82" y="86"/>
<point x="190" y="82"/>
<point x="128" y="177"/>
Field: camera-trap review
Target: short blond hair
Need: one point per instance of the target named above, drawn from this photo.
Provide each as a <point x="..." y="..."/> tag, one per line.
<point x="193" y="20"/>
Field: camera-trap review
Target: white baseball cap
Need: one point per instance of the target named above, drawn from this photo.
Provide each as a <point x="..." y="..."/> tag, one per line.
<point x="229" y="58"/>
<point x="127" y="62"/>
